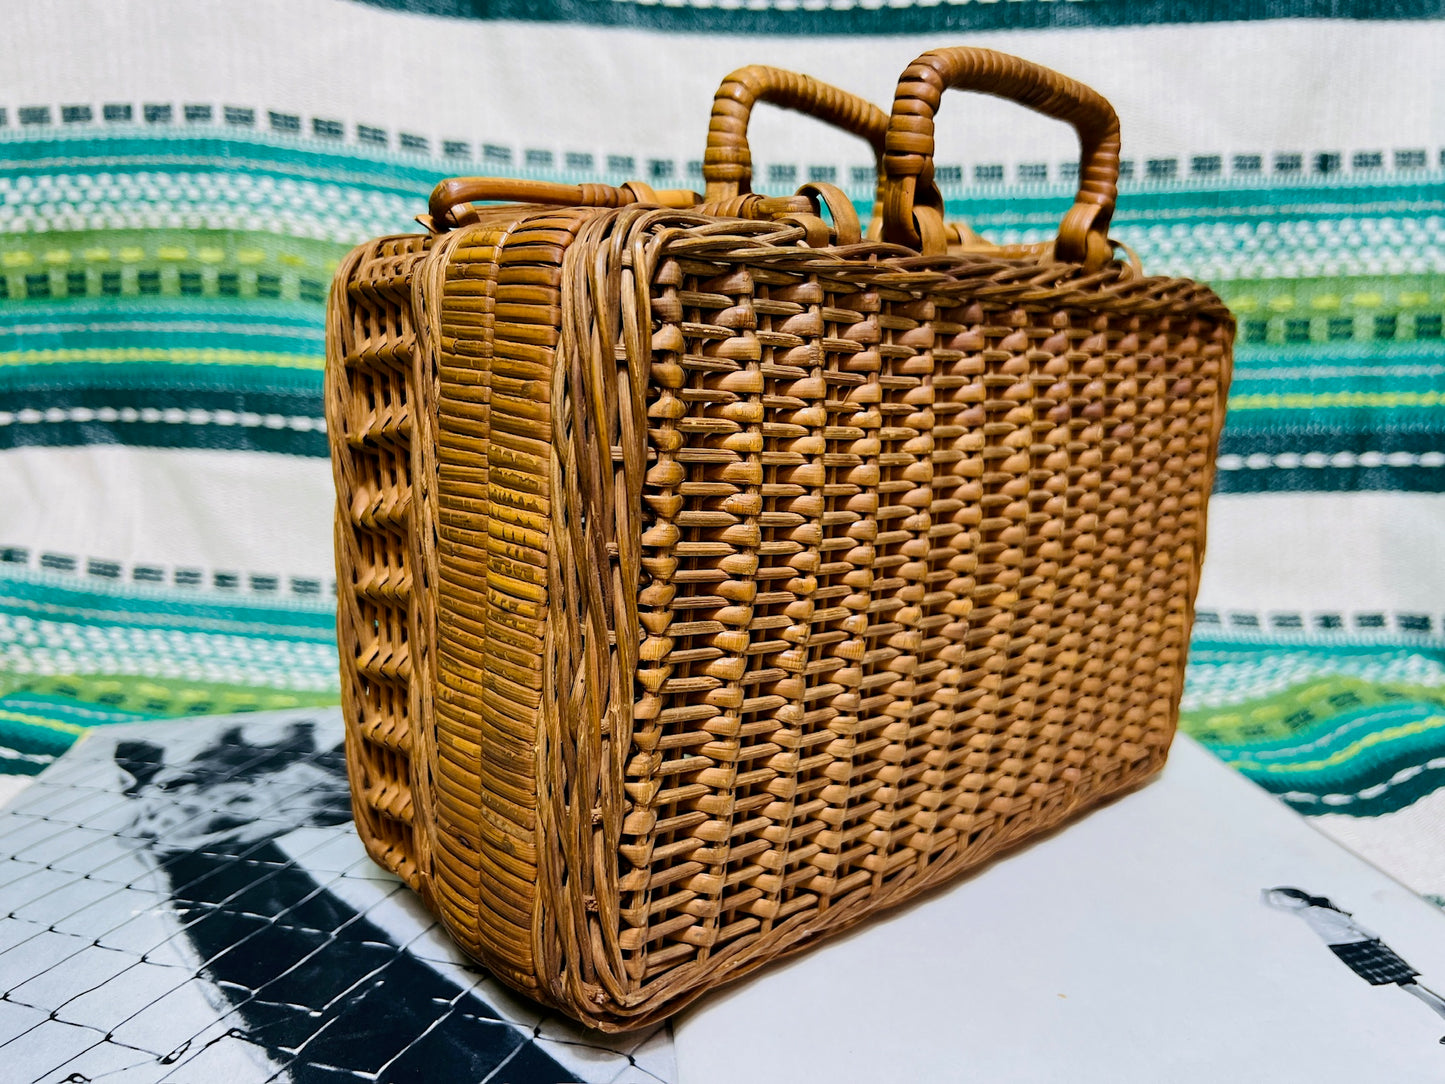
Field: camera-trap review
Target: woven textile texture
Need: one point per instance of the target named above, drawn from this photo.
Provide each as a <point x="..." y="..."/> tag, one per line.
<point x="179" y="180"/>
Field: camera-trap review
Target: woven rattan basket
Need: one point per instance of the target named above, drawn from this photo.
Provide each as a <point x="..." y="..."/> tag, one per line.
<point x="710" y="579"/>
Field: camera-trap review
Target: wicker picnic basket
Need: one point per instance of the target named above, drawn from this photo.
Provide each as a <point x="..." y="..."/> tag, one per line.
<point x="711" y="578"/>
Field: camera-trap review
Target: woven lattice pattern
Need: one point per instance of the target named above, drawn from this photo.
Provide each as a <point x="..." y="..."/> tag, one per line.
<point x="764" y="586"/>
<point x="371" y="408"/>
<point x="919" y="572"/>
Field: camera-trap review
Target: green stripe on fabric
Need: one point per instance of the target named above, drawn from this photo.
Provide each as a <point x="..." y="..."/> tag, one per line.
<point x="1309" y="718"/>
<point x="115" y="273"/>
<point x="907" y="19"/>
<point x="1330" y="728"/>
<point x="98" y="699"/>
<point x="37" y="726"/>
<point x="1232" y="686"/>
<point x="132" y="348"/>
<point x="72" y="658"/>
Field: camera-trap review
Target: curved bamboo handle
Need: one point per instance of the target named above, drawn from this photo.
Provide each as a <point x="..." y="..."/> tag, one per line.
<point x="451" y="199"/>
<point x="727" y="164"/>
<point x="908" y="185"/>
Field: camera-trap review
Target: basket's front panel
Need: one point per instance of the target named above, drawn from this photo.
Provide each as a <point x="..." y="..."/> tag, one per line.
<point x="370" y="402"/>
<point x="917" y="579"/>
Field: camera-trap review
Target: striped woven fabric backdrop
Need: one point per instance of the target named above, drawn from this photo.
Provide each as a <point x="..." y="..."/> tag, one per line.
<point x="178" y="179"/>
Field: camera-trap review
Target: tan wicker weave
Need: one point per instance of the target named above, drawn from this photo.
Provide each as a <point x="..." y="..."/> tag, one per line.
<point x="703" y="592"/>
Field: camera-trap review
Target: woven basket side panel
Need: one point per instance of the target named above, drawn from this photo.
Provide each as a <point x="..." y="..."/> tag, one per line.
<point x="499" y="325"/>
<point x="921" y="572"/>
<point x="369" y="405"/>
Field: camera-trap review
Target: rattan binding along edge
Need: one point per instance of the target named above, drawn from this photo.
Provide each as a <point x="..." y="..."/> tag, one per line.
<point x="543" y="791"/>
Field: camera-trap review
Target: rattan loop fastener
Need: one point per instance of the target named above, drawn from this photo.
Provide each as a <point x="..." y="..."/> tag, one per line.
<point x="451" y="200"/>
<point x="727" y="164"/>
<point x="908" y="184"/>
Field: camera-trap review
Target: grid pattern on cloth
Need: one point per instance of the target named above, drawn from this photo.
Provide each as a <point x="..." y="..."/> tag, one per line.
<point x="1375" y="962"/>
<point x="183" y="903"/>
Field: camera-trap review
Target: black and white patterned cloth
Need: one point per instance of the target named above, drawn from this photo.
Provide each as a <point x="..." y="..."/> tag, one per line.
<point x="1375" y="962"/>
<point x="189" y="902"/>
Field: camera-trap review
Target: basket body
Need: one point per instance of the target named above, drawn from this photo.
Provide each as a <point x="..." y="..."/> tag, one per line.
<point x="702" y="593"/>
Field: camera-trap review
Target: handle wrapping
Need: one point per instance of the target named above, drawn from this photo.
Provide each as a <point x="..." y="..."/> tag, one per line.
<point x="451" y="200"/>
<point x="908" y="182"/>
<point x="727" y="164"/>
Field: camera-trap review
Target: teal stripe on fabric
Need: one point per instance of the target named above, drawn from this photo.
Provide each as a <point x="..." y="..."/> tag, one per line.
<point x="257" y="158"/>
<point x="1387" y="784"/>
<point x="1256" y="361"/>
<point x="1406" y="786"/>
<point x="195" y="335"/>
<point x="298" y="386"/>
<point x="20" y="736"/>
<point x="1358" y="769"/>
<point x="1217" y="202"/>
<point x="1324" y="417"/>
<point x="16" y="764"/>
<point x="1345" y="650"/>
<point x="66" y="710"/>
<point x="61" y="599"/>
<point x="909" y="19"/>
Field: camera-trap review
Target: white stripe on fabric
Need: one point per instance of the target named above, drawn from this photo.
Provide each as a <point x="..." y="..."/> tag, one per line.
<point x="1323" y="460"/>
<point x="1409" y="842"/>
<point x="159" y="416"/>
<point x="1288" y="85"/>
<point x="186" y="508"/>
<point x="1344" y="553"/>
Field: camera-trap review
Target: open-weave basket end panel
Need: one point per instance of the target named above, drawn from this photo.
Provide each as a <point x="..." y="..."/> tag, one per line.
<point x="918" y="552"/>
<point x="371" y="403"/>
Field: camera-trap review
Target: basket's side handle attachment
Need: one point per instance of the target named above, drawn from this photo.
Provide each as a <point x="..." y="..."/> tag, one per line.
<point x="727" y="164"/>
<point x="912" y="203"/>
<point x="451" y="201"/>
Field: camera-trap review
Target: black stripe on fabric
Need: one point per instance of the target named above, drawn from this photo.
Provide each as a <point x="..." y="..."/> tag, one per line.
<point x="1416" y="779"/>
<point x="164" y="435"/>
<point x="1408" y="478"/>
<point x="1015" y="15"/>
<point x="288" y="422"/>
<point x="282" y="421"/>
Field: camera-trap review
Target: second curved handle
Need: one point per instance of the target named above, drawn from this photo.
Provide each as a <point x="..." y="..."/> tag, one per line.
<point x="912" y="204"/>
<point x="727" y="164"/>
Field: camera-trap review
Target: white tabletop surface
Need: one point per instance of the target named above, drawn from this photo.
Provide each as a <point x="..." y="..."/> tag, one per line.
<point x="1131" y="946"/>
